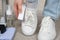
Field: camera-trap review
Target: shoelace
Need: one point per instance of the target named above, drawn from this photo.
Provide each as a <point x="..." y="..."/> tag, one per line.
<point x="29" y="18"/>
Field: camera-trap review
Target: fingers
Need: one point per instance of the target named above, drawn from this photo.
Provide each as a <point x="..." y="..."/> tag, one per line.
<point x="20" y="6"/>
<point x="15" y="8"/>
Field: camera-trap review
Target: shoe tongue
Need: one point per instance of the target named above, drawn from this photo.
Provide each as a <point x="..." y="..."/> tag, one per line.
<point x="45" y="20"/>
<point x="48" y="17"/>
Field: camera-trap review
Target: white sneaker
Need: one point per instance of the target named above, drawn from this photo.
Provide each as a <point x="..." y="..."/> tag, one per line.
<point x="47" y="31"/>
<point x="30" y="24"/>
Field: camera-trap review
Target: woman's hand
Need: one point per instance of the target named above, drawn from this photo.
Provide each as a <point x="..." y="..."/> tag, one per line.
<point x="17" y="7"/>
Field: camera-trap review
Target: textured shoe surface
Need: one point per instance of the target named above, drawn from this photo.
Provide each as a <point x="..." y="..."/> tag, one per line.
<point x="30" y="23"/>
<point x="47" y="31"/>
